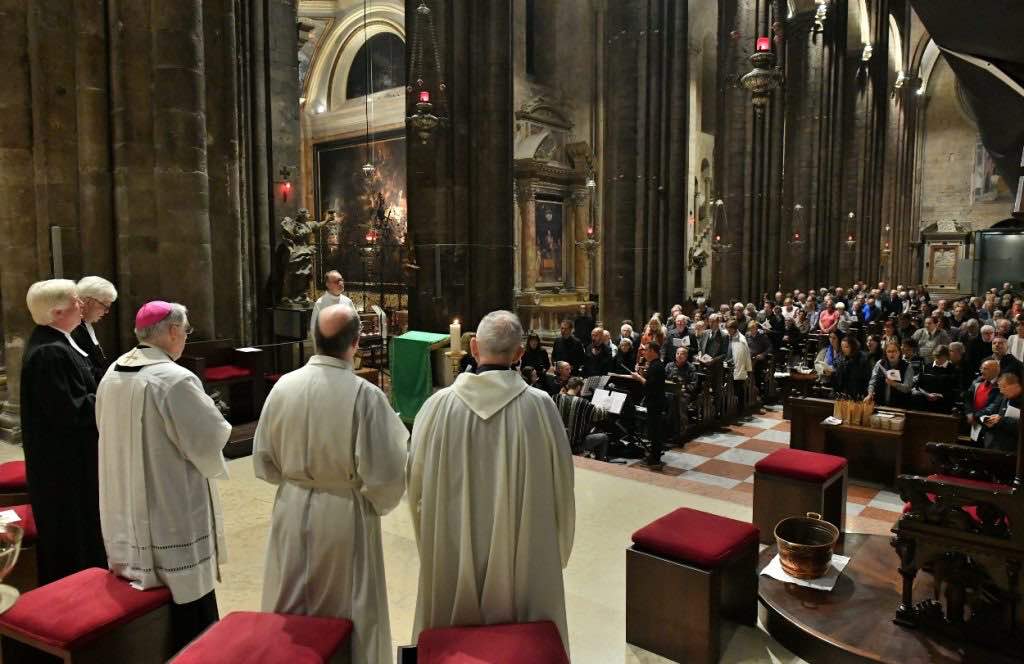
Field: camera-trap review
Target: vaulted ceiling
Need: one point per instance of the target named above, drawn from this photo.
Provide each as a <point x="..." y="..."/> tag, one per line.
<point x="988" y="32"/>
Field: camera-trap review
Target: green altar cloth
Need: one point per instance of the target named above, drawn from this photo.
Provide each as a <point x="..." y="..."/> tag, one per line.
<point x="411" y="374"/>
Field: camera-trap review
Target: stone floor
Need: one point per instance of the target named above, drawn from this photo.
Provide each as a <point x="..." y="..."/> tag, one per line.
<point x="711" y="473"/>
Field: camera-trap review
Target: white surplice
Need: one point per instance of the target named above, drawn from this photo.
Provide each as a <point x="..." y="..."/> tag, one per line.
<point x="161" y="445"/>
<point x="322" y="302"/>
<point x="491" y="492"/>
<point x="337" y="451"/>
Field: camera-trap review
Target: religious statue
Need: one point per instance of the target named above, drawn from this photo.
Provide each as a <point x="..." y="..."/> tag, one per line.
<point x="297" y="235"/>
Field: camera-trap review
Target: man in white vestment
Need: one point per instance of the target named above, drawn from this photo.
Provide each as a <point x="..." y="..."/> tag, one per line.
<point x="337" y="452"/>
<point x="335" y="286"/>
<point x="160" y="448"/>
<point x="491" y="493"/>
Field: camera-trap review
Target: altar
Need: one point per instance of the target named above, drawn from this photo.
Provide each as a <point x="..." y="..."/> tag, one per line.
<point x="557" y="243"/>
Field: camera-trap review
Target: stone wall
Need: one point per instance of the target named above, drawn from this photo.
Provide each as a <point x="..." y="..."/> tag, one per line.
<point x="947" y="166"/>
<point x="151" y="134"/>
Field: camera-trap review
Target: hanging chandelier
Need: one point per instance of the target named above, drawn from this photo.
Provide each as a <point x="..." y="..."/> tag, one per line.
<point x="820" y="15"/>
<point x="424" y="121"/>
<point x="796" y="239"/>
<point x="765" y="77"/>
<point x="719" y="221"/>
<point x="368" y="168"/>
<point x="851" y="237"/>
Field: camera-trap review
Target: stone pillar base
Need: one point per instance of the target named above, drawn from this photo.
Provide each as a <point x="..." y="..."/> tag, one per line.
<point x="10" y="423"/>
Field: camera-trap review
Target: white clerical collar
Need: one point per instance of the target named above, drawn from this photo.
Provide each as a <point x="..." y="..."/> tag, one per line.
<point x="940" y="366"/>
<point x="92" y="333"/>
<point x="72" y="342"/>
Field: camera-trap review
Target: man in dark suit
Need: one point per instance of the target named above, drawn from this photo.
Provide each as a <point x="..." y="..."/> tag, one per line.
<point x="653" y="382"/>
<point x="678" y="337"/>
<point x="1007" y="362"/>
<point x="1001" y="428"/>
<point x="567" y="348"/>
<point x="61" y="442"/>
<point x="982" y="393"/>
<point x="599" y="359"/>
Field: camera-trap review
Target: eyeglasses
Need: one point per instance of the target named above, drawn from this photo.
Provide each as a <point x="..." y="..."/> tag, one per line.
<point x="105" y="305"/>
<point x="188" y="328"/>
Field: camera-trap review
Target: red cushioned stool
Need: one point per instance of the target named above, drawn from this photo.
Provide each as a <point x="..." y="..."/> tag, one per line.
<point x="13" y="484"/>
<point x="791" y="482"/>
<point x="89" y="617"/>
<point x="684" y="573"/>
<point x="25" y="575"/>
<point x="271" y="638"/>
<point x="517" y="643"/>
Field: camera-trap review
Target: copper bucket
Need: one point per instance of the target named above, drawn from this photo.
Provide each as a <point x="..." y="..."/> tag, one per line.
<point x="805" y="545"/>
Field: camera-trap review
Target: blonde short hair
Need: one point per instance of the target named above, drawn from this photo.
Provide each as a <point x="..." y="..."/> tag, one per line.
<point x="45" y="296"/>
<point x="97" y="288"/>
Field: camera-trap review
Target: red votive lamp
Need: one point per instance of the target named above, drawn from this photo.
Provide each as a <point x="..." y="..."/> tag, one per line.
<point x="764" y="44"/>
<point x="590" y="231"/>
<point x="425" y="96"/>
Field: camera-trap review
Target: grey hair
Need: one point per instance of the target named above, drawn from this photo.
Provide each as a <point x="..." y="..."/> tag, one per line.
<point x="178" y="316"/>
<point x="97" y="288"/>
<point x="957" y="346"/>
<point x="499" y="334"/>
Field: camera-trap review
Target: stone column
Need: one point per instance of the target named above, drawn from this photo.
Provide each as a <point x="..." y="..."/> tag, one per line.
<point x="19" y="264"/>
<point x="460" y="185"/>
<point x="131" y="77"/>
<point x="51" y="40"/>
<point x="222" y="145"/>
<point x="645" y="157"/>
<point x="95" y="184"/>
<point x="581" y="264"/>
<point x="528" y="238"/>
<point x="181" y="185"/>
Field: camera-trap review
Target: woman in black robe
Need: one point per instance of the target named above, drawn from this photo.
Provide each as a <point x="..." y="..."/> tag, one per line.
<point x="97" y="295"/>
<point x="58" y="400"/>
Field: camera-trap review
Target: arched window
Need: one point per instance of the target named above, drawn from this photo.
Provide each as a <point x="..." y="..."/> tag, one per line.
<point x="379" y="65"/>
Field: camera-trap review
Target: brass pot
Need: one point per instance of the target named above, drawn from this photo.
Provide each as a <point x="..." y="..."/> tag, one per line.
<point x="805" y="545"/>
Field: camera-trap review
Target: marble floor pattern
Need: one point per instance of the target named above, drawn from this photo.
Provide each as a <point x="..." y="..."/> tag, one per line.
<point x="710" y="473"/>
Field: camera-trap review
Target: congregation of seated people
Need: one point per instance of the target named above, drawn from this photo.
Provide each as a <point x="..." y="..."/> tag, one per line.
<point x="896" y="347"/>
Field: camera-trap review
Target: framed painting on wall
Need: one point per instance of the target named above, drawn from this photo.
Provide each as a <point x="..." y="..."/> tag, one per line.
<point x="359" y="201"/>
<point x="549" y="216"/>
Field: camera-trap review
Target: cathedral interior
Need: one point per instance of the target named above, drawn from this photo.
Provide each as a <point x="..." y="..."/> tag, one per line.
<point x="559" y="159"/>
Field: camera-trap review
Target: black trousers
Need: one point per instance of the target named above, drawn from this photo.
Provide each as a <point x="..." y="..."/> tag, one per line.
<point x="656" y="434"/>
<point x="190" y="620"/>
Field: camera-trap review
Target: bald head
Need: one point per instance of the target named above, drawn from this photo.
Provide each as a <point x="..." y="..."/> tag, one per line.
<point x="337" y="331"/>
<point x="989" y="369"/>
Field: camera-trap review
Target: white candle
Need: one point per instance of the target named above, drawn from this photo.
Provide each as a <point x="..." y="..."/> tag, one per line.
<point x="456" y="333"/>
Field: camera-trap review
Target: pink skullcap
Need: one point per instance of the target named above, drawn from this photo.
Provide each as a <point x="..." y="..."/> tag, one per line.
<point x="152" y="313"/>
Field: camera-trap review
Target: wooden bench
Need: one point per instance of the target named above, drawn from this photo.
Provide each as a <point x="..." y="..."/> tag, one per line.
<point x="807" y="432"/>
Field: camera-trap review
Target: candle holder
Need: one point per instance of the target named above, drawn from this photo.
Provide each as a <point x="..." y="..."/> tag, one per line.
<point x="454" y="360"/>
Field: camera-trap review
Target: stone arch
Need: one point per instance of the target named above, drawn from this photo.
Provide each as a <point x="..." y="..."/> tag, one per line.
<point x="330" y="69"/>
<point x="366" y="74"/>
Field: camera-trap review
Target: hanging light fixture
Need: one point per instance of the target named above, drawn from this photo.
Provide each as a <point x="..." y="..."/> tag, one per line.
<point x="719" y="221"/>
<point x="851" y="237"/>
<point x="368" y="168"/>
<point x="765" y="77"/>
<point x="424" y="121"/>
<point x="797" y="239"/>
<point x="820" y="15"/>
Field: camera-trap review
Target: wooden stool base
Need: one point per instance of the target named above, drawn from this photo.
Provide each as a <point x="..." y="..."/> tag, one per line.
<point x="777" y="498"/>
<point x="675" y="610"/>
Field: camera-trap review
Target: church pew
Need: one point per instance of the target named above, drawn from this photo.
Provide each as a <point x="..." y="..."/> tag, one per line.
<point x="219" y="364"/>
<point x="920" y="428"/>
